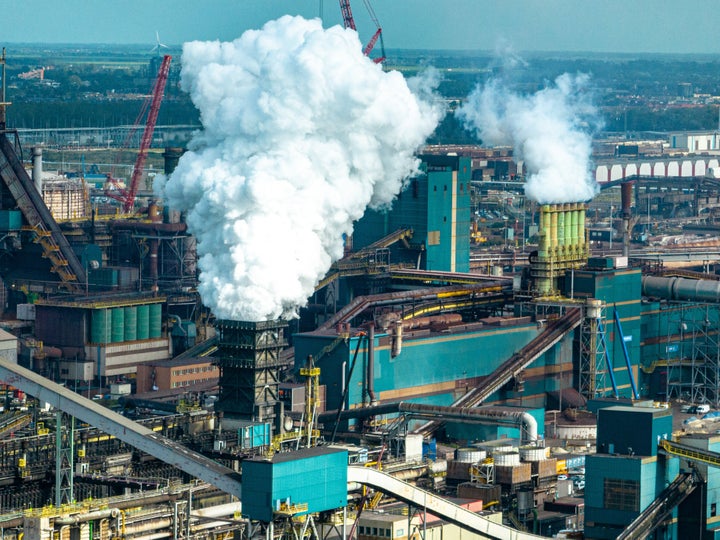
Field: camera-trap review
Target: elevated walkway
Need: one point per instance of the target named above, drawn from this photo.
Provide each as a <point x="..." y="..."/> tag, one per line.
<point x="438" y="506"/>
<point x="551" y="335"/>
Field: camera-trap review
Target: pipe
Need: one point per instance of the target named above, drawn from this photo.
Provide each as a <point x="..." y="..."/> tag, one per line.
<point x="676" y="288"/>
<point x="468" y="414"/>
<point x="90" y="516"/>
<point x="37" y="168"/>
<point x="371" y="365"/>
<point x="397" y="339"/>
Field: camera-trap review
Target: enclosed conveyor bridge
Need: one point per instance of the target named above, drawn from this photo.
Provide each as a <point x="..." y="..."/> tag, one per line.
<point x="552" y="334"/>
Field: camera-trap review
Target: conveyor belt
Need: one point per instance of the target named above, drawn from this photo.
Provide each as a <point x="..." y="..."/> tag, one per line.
<point x="38" y="216"/>
<point x="110" y="422"/>
<point x="551" y="335"/>
<point x="690" y="452"/>
<point x="654" y="515"/>
<point x="442" y="508"/>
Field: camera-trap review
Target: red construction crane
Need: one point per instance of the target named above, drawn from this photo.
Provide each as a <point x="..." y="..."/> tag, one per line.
<point x="349" y="22"/>
<point x="127" y="195"/>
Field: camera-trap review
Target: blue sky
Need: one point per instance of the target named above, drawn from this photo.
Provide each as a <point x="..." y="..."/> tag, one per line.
<point x="663" y="26"/>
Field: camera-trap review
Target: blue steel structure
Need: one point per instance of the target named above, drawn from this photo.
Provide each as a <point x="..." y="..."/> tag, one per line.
<point x="627" y="473"/>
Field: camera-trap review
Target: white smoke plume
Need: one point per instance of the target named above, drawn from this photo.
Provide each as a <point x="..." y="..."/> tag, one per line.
<point x="301" y="132"/>
<point x="550" y="130"/>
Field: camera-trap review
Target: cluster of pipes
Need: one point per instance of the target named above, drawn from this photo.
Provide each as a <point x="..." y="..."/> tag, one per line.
<point x="562" y="233"/>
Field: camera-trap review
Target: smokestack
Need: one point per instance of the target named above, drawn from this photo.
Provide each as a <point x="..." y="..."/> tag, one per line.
<point x="172" y="157"/>
<point x="37" y="168"/>
<point x="626" y="200"/>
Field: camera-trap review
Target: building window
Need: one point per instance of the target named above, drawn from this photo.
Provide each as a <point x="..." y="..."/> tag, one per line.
<point x="622" y="495"/>
<point x="387" y="533"/>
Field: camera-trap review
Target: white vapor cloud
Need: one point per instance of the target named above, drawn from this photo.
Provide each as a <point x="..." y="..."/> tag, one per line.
<point x="550" y="130"/>
<point x="301" y="132"/>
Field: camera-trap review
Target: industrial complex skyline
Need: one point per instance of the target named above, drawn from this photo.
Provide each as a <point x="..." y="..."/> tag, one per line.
<point x="640" y="26"/>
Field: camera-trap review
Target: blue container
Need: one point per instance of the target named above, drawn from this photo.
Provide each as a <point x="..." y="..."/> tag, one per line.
<point x="254" y="435"/>
<point x="301" y="482"/>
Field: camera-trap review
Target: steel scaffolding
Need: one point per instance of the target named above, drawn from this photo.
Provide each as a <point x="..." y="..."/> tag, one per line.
<point x="692" y="353"/>
<point x="593" y="351"/>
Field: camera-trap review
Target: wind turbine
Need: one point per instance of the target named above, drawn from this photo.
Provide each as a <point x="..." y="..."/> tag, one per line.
<point x="158" y="45"/>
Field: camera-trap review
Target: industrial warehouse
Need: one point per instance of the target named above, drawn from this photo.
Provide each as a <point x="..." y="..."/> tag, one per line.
<point x="554" y="385"/>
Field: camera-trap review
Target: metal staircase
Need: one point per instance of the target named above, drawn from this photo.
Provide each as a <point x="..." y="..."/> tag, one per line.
<point x="38" y="217"/>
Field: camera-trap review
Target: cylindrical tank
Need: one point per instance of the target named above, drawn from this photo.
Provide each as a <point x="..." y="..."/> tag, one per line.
<point x="469" y="455"/>
<point x="553" y="228"/>
<point x="574" y="226"/>
<point x="506" y="459"/>
<point x="439" y="466"/>
<point x="130" y="323"/>
<point x="100" y="323"/>
<point x="37" y="168"/>
<point x="532" y="453"/>
<point x="569" y="233"/>
<point x="561" y="229"/>
<point x="593" y="308"/>
<point x="626" y="191"/>
<point x="525" y="502"/>
<point x="155" y="321"/>
<point x="492" y="449"/>
<point x="581" y="226"/>
<point x="143" y="322"/>
<point x="118" y="325"/>
<point x="154" y="213"/>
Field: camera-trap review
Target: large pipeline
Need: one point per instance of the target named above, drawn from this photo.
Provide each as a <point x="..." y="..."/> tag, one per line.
<point x="465" y="414"/>
<point x="677" y="288"/>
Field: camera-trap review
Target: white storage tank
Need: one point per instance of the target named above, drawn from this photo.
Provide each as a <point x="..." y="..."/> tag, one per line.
<point x="506" y="459"/>
<point x="469" y="455"/>
<point x="532" y="453"/>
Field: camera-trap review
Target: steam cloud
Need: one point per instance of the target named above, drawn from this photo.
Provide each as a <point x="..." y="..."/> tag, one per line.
<point x="301" y="132"/>
<point x="550" y="130"/>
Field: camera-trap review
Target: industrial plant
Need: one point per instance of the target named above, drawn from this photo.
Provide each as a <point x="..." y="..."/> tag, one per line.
<point x="554" y="384"/>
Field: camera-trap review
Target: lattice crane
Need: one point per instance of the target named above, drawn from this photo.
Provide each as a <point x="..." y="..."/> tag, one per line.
<point x="349" y="22"/>
<point x="127" y="196"/>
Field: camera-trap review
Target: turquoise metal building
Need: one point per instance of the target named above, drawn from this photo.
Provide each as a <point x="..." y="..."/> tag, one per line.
<point x="627" y="474"/>
<point x="302" y="482"/>
<point x="436" y="206"/>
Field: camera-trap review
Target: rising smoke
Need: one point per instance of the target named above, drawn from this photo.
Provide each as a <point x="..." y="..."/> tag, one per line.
<point x="550" y="130"/>
<point x="301" y="132"/>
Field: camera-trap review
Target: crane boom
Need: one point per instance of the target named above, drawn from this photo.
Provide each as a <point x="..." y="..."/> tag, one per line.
<point x="349" y="22"/>
<point x="157" y="95"/>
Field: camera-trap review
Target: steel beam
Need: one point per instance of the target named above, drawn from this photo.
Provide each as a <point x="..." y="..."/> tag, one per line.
<point x="110" y="422"/>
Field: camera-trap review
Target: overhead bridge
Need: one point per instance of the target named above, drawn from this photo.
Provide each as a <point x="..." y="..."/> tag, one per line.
<point x="551" y="335"/>
<point x="442" y="508"/>
<point x="110" y="422"/>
